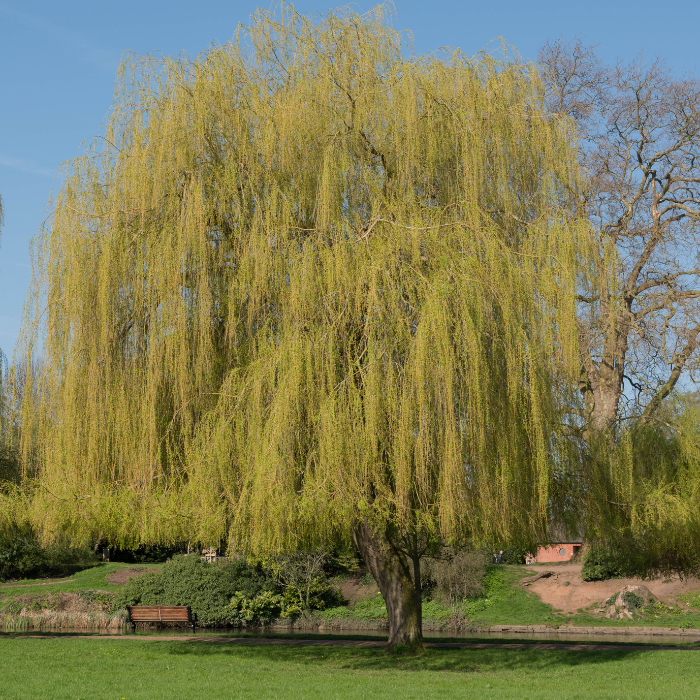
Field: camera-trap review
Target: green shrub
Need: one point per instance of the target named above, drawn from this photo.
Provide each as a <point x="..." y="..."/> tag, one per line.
<point x="144" y="553"/>
<point x="21" y="556"/>
<point x="599" y="565"/>
<point x="375" y="609"/>
<point x="434" y="610"/>
<point x="263" y="609"/>
<point x="633" y="601"/>
<point x="368" y="609"/>
<point x="207" y="588"/>
<point x="342" y="562"/>
<point x="495" y="588"/>
<point x="516" y="555"/>
<point x="342" y="611"/>
<point x="97" y="598"/>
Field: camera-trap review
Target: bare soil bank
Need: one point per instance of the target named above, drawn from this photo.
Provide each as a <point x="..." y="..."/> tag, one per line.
<point x="565" y="590"/>
<point x="119" y="578"/>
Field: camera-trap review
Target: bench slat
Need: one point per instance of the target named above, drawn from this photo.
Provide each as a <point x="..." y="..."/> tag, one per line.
<point x="159" y="613"/>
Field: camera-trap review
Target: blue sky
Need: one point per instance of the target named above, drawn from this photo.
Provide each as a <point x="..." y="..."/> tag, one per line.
<point x="58" y="62"/>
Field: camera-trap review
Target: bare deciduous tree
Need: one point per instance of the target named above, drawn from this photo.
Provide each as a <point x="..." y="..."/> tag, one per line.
<point x="300" y="571"/>
<point x="639" y="317"/>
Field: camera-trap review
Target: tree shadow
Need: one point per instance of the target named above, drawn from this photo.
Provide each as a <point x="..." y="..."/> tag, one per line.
<point x="448" y="660"/>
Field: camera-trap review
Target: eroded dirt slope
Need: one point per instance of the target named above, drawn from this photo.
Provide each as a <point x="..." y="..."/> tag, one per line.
<point x="552" y="588"/>
<point x="119" y="578"/>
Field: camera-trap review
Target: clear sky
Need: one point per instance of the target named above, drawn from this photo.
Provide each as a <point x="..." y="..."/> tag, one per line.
<point x="58" y="61"/>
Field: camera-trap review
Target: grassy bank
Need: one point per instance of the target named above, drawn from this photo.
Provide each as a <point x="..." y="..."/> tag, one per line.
<point x="82" y="601"/>
<point x="85" y="601"/>
<point x="140" y="669"/>
<point x="94" y="578"/>
<point x="502" y="602"/>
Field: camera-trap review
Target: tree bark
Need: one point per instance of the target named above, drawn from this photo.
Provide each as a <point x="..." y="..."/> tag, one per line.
<point x="398" y="576"/>
<point x="639" y="144"/>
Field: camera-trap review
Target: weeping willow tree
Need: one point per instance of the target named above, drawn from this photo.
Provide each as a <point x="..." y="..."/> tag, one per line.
<point x="6" y="432"/>
<point x="640" y="496"/>
<point x="306" y="289"/>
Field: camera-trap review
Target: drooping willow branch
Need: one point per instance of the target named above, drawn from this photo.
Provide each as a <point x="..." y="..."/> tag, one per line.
<point x="297" y="290"/>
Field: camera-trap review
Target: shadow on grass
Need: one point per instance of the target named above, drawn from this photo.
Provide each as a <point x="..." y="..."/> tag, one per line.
<point x="432" y="660"/>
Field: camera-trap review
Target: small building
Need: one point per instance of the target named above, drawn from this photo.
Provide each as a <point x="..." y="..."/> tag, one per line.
<point x="563" y="551"/>
<point x="209" y="554"/>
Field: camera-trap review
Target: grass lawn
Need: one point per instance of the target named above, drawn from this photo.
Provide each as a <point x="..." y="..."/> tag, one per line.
<point x="94" y="578"/>
<point x="135" y="669"/>
<point x="505" y="604"/>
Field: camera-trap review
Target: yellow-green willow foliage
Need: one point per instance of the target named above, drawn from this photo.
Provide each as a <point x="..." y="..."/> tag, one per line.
<point x="642" y="498"/>
<point x="304" y="279"/>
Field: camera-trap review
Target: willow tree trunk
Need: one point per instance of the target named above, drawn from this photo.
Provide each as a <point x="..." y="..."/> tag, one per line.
<point x="398" y="577"/>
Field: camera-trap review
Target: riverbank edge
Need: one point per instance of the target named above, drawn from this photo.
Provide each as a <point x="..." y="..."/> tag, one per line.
<point x="567" y="630"/>
<point x="103" y="621"/>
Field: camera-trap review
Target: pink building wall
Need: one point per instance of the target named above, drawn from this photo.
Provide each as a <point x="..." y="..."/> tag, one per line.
<point x="556" y="552"/>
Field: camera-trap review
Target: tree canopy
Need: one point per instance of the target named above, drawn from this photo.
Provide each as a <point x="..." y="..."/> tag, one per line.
<point x="305" y="280"/>
<point x="302" y="277"/>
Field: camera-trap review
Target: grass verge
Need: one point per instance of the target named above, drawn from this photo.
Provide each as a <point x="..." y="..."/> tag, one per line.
<point x="140" y="669"/>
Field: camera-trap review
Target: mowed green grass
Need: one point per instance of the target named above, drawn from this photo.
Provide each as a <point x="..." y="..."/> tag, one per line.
<point x="135" y="669"/>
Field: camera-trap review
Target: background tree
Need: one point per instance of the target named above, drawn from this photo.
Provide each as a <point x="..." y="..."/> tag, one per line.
<point x="639" y="306"/>
<point x="639" y="321"/>
<point x="308" y="288"/>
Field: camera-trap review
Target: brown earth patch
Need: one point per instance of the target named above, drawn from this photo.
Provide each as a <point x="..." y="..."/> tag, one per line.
<point x="549" y="584"/>
<point x="119" y="578"/>
<point x="354" y="590"/>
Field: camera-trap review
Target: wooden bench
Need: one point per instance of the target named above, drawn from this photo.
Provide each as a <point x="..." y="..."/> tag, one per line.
<point x="160" y="613"/>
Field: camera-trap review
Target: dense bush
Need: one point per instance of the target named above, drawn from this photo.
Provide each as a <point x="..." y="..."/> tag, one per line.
<point x="21" y="556"/>
<point x="516" y="555"/>
<point x="207" y="588"/>
<point x="262" y="609"/>
<point x="367" y="609"/>
<point x="512" y="554"/>
<point x="10" y="465"/>
<point x="600" y="565"/>
<point x="234" y="593"/>
<point x="144" y="554"/>
<point x="342" y="562"/>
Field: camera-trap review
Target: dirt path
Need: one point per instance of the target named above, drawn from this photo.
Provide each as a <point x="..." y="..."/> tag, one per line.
<point x="45" y="583"/>
<point x="546" y="646"/>
<point x="562" y="587"/>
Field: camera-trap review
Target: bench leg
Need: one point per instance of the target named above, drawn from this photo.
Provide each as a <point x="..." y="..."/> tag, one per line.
<point x="133" y="627"/>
